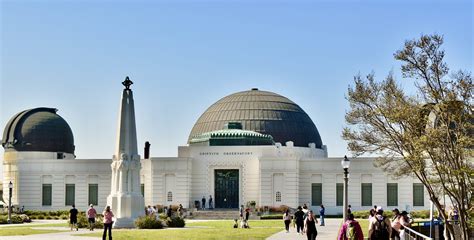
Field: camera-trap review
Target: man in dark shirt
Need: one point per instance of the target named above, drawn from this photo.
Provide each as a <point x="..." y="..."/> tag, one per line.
<point x="203" y="200"/>
<point x="299" y="220"/>
<point x="73" y="217"/>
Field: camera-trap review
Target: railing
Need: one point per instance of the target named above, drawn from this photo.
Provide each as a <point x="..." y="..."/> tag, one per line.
<point x="410" y="234"/>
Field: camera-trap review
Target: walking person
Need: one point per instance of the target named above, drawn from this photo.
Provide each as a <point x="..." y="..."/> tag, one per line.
<point x="299" y="220"/>
<point x="241" y="212"/>
<point x="321" y="215"/>
<point x="73" y="217"/>
<point x="310" y="226"/>
<point x="108" y="215"/>
<point x="91" y="214"/>
<point x="351" y="230"/>
<point x="380" y="227"/>
<point x="396" y="225"/>
<point x="210" y="202"/>
<point x="203" y="200"/>
<point x="287" y="220"/>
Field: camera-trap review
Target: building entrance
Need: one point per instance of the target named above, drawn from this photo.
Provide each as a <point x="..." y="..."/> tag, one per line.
<point x="226" y="188"/>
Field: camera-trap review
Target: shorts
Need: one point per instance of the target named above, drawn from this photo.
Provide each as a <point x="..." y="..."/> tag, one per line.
<point x="73" y="221"/>
<point x="91" y="220"/>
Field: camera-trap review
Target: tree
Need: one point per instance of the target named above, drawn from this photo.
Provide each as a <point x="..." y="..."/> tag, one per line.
<point x="429" y="134"/>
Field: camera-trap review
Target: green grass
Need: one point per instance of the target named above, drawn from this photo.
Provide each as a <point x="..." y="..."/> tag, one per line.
<point x="259" y="229"/>
<point x="364" y="224"/>
<point x="17" y="231"/>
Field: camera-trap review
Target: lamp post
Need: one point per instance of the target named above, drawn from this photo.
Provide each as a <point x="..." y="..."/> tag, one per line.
<point x="345" y="163"/>
<point x="10" y="187"/>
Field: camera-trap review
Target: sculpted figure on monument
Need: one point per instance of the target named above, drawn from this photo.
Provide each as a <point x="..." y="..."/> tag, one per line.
<point x="127" y="83"/>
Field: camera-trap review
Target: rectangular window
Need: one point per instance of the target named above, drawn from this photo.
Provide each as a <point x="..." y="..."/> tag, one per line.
<point x="142" y="188"/>
<point x="93" y="194"/>
<point x="316" y="194"/>
<point x="366" y="190"/>
<point x="392" y="194"/>
<point x="47" y="194"/>
<point x="339" y="194"/>
<point x="70" y="194"/>
<point x="418" y="194"/>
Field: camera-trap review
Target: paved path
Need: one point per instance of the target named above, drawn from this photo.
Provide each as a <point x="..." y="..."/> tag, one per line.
<point x="328" y="232"/>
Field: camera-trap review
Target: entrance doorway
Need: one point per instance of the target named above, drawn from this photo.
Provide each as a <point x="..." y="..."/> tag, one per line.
<point x="226" y="188"/>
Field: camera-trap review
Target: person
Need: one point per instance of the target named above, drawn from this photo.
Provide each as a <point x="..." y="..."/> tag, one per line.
<point x="310" y="226"/>
<point x="210" y="202"/>
<point x="203" y="200"/>
<point x="236" y="225"/>
<point x="299" y="220"/>
<point x="351" y="230"/>
<point x="404" y="222"/>
<point x="73" y="217"/>
<point x="396" y="225"/>
<point x="349" y="210"/>
<point x="180" y="210"/>
<point x="371" y="214"/>
<point x="91" y="214"/>
<point x="287" y="220"/>
<point x="380" y="227"/>
<point x="321" y="215"/>
<point x="241" y="212"/>
<point x="149" y="211"/>
<point x="305" y="210"/>
<point x="108" y="215"/>
<point x="169" y="212"/>
<point x="22" y="209"/>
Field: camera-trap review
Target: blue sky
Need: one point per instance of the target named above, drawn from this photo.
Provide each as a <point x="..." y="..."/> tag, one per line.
<point x="185" y="55"/>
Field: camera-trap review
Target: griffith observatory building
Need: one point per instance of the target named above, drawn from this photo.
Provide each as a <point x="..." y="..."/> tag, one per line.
<point x="248" y="146"/>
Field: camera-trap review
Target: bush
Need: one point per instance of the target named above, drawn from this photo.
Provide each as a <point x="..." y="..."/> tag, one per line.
<point x="175" y="222"/>
<point x="422" y="214"/>
<point x="15" y="219"/>
<point x="148" y="222"/>
<point x="365" y="214"/>
<point x="39" y="217"/>
<point x="83" y="221"/>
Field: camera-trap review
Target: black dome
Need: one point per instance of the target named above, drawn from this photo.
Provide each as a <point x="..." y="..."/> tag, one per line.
<point x="38" y="129"/>
<point x="263" y="112"/>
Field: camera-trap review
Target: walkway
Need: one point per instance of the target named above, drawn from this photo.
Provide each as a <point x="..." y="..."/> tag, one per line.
<point x="328" y="232"/>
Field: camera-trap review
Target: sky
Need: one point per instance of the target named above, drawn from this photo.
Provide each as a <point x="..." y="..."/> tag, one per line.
<point x="185" y="55"/>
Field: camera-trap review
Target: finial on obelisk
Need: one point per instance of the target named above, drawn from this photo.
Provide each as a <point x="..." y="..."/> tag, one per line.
<point x="127" y="83"/>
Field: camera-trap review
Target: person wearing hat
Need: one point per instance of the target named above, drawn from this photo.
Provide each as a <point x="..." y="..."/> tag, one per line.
<point x="299" y="220"/>
<point x="380" y="227"/>
<point x="404" y="222"/>
<point x="91" y="214"/>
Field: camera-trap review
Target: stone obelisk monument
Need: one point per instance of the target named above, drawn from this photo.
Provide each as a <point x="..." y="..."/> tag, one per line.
<point x="125" y="197"/>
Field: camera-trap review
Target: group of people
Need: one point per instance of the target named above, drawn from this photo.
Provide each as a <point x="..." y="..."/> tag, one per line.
<point x="153" y="211"/>
<point x="91" y="216"/>
<point x="304" y="220"/>
<point x="380" y="226"/>
<point x="203" y="203"/>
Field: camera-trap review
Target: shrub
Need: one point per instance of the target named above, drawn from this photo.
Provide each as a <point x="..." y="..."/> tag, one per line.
<point x="175" y="222"/>
<point x="422" y="214"/>
<point x="83" y="221"/>
<point x="14" y="219"/>
<point x="147" y="222"/>
<point x="25" y="218"/>
<point x="39" y="217"/>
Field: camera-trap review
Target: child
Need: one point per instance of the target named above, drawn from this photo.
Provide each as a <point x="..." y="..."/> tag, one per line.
<point x="235" y="224"/>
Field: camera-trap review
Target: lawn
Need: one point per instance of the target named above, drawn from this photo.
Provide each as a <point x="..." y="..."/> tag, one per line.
<point x="16" y="231"/>
<point x="259" y="229"/>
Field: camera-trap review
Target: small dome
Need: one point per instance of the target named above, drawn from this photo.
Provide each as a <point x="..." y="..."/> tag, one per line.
<point x="40" y="130"/>
<point x="263" y="112"/>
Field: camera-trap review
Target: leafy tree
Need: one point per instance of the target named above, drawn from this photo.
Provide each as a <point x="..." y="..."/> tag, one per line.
<point x="428" y="134"/>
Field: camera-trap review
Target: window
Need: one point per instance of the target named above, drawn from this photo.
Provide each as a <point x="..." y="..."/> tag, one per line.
<point x="339" y="194"/>
<point x="392" y="194"/>
<point x="93" y="194"/>
<point x="366" y="190"/>
<point x="142" y="188"/>
<point x="418" y="194"/>
<point x="47" y="194"/>
<point x="316" y="194"/>
<point x="70" y="194"/>
<point x="170" y="197"/>
<point x="278" y="197"/>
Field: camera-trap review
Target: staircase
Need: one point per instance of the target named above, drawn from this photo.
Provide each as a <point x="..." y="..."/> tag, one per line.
<point x="217" y="214"/>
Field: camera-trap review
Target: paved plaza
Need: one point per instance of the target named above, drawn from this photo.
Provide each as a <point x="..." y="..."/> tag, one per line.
<point x="328" y="232"/>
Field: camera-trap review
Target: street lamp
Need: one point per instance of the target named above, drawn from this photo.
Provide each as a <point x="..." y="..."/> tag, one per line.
<point x="345" y="163"/>
<point x="10" y="187"/>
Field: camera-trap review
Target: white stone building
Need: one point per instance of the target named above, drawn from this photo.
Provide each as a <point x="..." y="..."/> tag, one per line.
<point x="249" y="146"/>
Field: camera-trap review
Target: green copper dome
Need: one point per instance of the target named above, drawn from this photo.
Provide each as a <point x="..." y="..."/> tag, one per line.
<point x="232" y="135"/>
<point x="38" y="129"/>
<point x="262" y="112"/>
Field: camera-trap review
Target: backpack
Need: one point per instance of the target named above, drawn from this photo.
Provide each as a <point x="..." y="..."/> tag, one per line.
<point x="381" y="230"/>
<point x="350" y="232"/>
